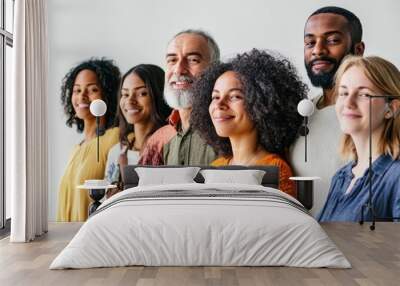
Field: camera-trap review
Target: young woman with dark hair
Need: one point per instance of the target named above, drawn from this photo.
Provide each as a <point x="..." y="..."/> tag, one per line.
<point x="141" y="111"/>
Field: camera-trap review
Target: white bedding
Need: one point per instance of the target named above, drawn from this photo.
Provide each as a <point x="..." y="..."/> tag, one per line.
<point x="189" y="230"/>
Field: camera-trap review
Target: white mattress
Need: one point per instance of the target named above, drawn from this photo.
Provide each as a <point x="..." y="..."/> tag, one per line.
<point x="185" y="230"/>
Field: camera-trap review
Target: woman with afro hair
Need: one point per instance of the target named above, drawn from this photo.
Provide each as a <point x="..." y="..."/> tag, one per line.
<point x="90" y="80"/>
<point x="246" y="109"/>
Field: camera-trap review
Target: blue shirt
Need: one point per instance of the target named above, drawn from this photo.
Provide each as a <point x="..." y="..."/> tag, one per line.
<point x="340" y="206"/>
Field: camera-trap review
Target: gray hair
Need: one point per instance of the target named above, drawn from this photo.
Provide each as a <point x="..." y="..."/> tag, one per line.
<point x="212" y="45"/>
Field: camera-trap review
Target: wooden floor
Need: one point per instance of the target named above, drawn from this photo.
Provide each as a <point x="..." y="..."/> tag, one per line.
<point x="374" y="255"/>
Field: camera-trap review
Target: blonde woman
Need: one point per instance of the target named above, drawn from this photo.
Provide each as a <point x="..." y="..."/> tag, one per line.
<point x="356" y="79"/>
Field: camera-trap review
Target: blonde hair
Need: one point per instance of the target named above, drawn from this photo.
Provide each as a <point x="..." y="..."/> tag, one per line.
<point x="386" y="78"/>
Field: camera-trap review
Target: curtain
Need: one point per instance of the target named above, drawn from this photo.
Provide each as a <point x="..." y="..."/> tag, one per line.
<point x="28" y="122"/>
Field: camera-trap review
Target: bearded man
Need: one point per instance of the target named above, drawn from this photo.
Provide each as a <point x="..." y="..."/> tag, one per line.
<point x="189" y="53"/>
<point x="330" y="34"/>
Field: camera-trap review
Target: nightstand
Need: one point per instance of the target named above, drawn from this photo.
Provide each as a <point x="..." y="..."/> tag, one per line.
<point x="305" y="190"/>
<point x="96" y="193"/>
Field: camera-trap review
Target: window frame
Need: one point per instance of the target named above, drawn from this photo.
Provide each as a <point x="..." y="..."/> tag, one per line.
<point x="6" y="39"/>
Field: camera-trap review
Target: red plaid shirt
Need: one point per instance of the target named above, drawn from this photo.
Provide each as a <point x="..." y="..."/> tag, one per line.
<point x="152" y="154"/>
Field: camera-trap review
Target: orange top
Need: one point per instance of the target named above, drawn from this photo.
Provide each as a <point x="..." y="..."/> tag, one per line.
<point x="285" y="172"/>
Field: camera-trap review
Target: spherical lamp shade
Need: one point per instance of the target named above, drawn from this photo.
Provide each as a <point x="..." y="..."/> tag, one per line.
<point x="98" y="107"/>
<point x="305" y="107"/>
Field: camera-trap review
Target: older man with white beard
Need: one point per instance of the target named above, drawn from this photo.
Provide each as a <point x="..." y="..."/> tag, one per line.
<point x="189" y="53"/>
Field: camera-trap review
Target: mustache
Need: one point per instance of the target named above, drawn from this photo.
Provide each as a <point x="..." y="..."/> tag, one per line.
<point x="183" y="78"/>
<point x="323" y="58"/>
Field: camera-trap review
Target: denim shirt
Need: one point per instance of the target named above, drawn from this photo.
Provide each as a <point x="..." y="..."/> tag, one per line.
<point x="340" y="206"/>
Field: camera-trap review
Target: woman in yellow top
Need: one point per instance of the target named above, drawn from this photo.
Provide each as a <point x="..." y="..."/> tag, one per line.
<point x="247" y="110"/>
<point x="90" y="80"/>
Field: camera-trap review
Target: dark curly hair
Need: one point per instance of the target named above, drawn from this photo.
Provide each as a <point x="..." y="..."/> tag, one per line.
<point x="108" y="76"/>
<point x="153" y="77"/>
<point x="272" y="91"/>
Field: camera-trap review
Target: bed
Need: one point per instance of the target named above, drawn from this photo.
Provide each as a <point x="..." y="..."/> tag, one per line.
<point x="201" y="224"/>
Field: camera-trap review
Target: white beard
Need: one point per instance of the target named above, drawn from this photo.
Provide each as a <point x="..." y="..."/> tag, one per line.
<point x="178" y="98"/>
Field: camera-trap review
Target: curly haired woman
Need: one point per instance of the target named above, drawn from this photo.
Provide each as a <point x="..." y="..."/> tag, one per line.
<point x="90" y="80"/>
<point x="247" y="110"/>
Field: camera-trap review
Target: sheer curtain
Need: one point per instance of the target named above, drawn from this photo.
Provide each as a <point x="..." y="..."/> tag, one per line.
<point x="28" y="122"/>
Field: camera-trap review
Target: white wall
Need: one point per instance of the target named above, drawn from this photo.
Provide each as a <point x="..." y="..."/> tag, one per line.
<point x="133" y="32"/>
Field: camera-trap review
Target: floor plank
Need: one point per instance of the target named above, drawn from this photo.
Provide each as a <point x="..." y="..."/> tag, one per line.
<point x="374" y="255"/>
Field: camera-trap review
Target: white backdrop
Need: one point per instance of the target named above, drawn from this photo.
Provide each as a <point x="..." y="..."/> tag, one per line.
<point x="133" y="32"/>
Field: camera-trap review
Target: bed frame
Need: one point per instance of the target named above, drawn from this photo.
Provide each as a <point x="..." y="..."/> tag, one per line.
<point x="270" y="179"/>
<point x="130" y="179"/>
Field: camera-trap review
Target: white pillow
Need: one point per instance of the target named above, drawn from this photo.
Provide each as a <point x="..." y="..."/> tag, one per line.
<point x="164" y="176"/>
<point x="248" y="177"/>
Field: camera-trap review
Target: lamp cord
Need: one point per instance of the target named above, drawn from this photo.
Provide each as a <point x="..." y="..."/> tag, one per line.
<point x="371" y="207"/>
<point x="305" y="138"/>
<point x="97" y="134"/>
